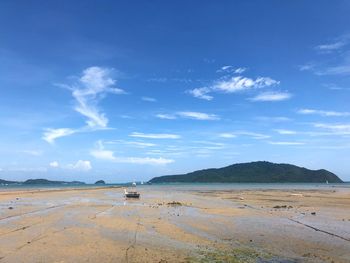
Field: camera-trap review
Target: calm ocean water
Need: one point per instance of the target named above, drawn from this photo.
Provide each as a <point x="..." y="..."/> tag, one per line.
<point x="192" y="186"/>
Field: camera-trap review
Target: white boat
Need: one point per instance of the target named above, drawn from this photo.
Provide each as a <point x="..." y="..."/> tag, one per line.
<point x="133" y="184"/>
<point x="131" y="194"/>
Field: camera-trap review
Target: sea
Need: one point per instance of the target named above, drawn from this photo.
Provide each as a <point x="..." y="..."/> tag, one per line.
<point x="187" y="186"/>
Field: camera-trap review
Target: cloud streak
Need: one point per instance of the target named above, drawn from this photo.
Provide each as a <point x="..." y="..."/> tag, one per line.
<point x="50" y="135"/>
<point x="154" y="135"/>
<point x="272" y="96"/>
<point x="323" y="113"/>
<point x="108" y="155"/>
<point x="194" y="115"/>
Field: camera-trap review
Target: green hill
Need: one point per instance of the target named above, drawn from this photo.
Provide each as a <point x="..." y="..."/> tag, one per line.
<point x="254" y="172"/>
<point x="45" y="181"/>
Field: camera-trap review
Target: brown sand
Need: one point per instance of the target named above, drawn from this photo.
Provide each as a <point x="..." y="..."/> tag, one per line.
<point x="99" y="225"/>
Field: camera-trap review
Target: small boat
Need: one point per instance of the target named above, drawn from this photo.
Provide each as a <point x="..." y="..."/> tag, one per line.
<point x="133" y="184"/>
<point x="131" y="194"/>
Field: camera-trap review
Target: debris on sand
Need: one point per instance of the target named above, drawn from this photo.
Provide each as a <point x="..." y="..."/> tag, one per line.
<point x="174" y="203"/>
<point x="313" y="213"/>
<point x="282" y="206"/>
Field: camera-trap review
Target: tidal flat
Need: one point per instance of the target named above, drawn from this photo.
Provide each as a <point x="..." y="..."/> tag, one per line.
<point x="183" y="225"/>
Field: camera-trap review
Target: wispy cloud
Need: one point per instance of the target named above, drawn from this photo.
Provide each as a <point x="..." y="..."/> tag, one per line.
<point x="286" y="143"/>
<point x="285" y="132"/>
<point x="166" y="116"/>
<point x="239" y="83"/>
<point x="307" y="67"/>
<point x="232" y="85"/>
<point x="201" y="93"/>
<point x="189" y="115"/>
<point x="137" y="144"/>
<point x="331" y="46"/>
<point x="337" y="129"/>
<point x="198" y="115"/>
<point x="323" y="113"/>
<point x="50" y="135"/>
<point x="148" y="99"/>
<point x="273" y="119"/>
<point x="272" y="96"/>
<point x="338" y="65"/>
<point x="232" y="69"/>
<point x="90" y="88"/>
<point x="95" y="83"/>
<point x="227" y="135"/>
<point x="154" y="135"/>
<point x="107" y="155"/>
<point x="235" y="134"/>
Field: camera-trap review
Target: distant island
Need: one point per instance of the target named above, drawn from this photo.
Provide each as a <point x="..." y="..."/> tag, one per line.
<point x="39" y="182"/>
<point x="100" y="182"/>
<point x="253" y="172"/>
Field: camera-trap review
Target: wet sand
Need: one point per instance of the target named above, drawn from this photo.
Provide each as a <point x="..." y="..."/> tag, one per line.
<point x="99" y="225"/>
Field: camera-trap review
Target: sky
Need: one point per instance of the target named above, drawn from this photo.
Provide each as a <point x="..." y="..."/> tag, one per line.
<point x="129" y="90"/>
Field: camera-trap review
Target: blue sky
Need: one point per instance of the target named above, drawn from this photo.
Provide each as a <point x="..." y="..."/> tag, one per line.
<point x="129" y="90"/>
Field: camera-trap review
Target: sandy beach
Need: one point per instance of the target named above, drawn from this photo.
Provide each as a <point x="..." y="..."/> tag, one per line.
<point x="99" y="225"/>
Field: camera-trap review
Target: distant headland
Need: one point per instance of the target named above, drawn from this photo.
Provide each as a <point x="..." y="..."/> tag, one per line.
<point x="253" y="172"/>
<point x="39" y="182"/>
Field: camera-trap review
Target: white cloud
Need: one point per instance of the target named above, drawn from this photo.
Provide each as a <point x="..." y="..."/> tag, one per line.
<point x="103" y="154"/>
<point x="331" y="46"/>
<point x="286" y="143"/>
<point x="201" y="93"/>
<point x="336" y="129"/>
<point x="132" y="143"/>
<point x="307" y="67"/>
<point x="253" y="135"/>
<point x="232" y="69"/>
<point x="227" y="135"/>
<point x="343" y="69"/>
<point x="144" y="160"/>
<point x="149" y="99"/>
<point x="157" y="79"/>
<point x="91" y="87"/>
<point x="197" y="115"/>
<point x="54" y="164"/>
<point x="239" y="70"/>
<point x="232" y="85"/>
<point x="166" y="116"/>
<point x="273" y="119"/>
<point x="95" y="83"/>
<point x="50" y="135"/>
<point x="189" y="115"/>
<point x="272" y="96"/>
<point x="81" y="165"/>
<point x="239" y="83"/>
<point x="324" y="113"/>
<point x="107" y="155"/>
<point x="285" y="132"/>
<point x="155" y="135"/>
